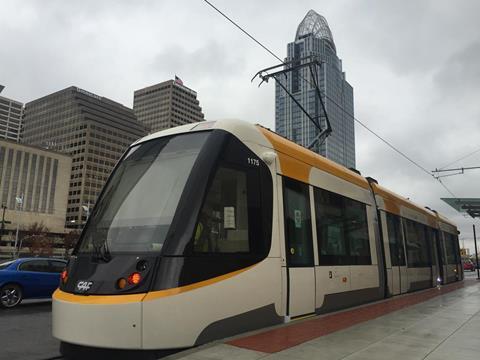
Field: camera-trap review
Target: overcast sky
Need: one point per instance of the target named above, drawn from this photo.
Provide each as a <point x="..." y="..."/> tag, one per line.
<point x="414" y="67"/>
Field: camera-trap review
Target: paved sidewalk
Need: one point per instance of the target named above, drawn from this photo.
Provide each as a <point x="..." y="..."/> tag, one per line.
<point x="442" y="326"/>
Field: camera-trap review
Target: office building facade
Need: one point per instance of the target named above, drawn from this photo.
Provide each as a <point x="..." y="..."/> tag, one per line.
<point x="33" y="186"/>
<point x="314" y="39"/>
<point x="94" y="130"/>
<point x="167" y="105"/>
<point x="10" y="119"/>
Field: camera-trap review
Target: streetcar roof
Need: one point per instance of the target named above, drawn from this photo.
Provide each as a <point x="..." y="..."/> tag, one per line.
<point x="243" y="130"/>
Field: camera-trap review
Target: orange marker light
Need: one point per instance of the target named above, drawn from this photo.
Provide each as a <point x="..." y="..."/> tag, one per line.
<point x="121" y="283"/>
<point x="64" y="276"/>
<point x="135" y="278"/>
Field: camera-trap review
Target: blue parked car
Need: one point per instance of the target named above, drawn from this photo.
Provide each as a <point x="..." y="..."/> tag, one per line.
<point x="28" y="278"/>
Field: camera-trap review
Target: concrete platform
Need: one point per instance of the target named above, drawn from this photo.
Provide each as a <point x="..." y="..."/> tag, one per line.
<point x="435" y="324"/>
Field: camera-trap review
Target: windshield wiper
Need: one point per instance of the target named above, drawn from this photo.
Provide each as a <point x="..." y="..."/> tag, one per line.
<point x="102" y="252"/>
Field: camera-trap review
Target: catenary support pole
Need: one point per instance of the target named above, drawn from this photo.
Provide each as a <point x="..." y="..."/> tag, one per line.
<point x="476" y="252"/>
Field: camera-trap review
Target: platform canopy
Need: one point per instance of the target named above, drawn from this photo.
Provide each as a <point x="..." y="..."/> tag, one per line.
<point x="469" y="206"/>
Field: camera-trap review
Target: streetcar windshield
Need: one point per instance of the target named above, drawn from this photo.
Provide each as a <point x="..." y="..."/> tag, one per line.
<point x="137" y="206"/>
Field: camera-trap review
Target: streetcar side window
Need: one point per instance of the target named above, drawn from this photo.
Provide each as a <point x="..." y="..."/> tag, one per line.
<point x="395" y="240"/>
<point x="342" y="230"/>
<point x="223" y="222"/>
<point x="418" y="246"/>
<point x="235" y="216"/>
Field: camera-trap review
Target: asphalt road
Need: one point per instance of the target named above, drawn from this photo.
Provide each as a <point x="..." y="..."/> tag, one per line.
<point x="26" y="332"/>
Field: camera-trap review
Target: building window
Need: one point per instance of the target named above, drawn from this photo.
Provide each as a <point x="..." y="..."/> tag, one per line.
<point x="31" y="180"/>
<point x="52" y="187"/>
<point x="8" y="171"/>
<point x="45" y="184"/>
<point x="38" y="187"/>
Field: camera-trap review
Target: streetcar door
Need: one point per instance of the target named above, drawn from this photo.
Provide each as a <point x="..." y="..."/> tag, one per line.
<point x="440" y="257"/>
<point x="403" y="260"/>
<point x="436" y="261"/>
<point x="397" y="254"/>
<point x="298" y="248"/>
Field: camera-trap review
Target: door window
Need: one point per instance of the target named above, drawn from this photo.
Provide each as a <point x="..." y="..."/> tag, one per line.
<point x="395" y="240"/>
<point x="450" y="248"/>
<point x="298" y="223"/>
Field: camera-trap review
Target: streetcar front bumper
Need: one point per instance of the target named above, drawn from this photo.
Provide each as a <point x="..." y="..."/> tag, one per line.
<point x="98" y="321"/>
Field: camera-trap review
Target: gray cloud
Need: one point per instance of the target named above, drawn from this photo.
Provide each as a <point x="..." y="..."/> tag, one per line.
<point x="412" y="37"/>
<point x="460" y="74"/>
<point x="210" y="62"/>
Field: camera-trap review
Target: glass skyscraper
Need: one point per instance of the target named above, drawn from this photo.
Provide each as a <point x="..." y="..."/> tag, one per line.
<point x="314" y="38"/>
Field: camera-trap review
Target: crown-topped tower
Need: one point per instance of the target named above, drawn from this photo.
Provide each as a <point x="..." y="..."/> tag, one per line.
<point x="314" y="39"/>
<point x="315" y="24"/>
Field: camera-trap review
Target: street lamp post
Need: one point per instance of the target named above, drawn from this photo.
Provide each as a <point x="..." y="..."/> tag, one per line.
<point x="476" y="252"/>
<point x="19" y="204"/>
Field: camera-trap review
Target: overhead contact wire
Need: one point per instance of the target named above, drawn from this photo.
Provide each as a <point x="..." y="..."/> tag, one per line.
<point x="460" y="159"/>
<point x="242" y="30"/>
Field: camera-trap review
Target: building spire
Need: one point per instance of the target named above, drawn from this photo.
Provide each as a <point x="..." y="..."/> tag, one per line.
<point x="315" y="24"/>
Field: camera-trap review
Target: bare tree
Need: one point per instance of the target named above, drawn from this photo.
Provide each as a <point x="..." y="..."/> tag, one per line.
<point x="42" y="246"/>
<point x="70" y="241"/>
<point x="38" y="240"/>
